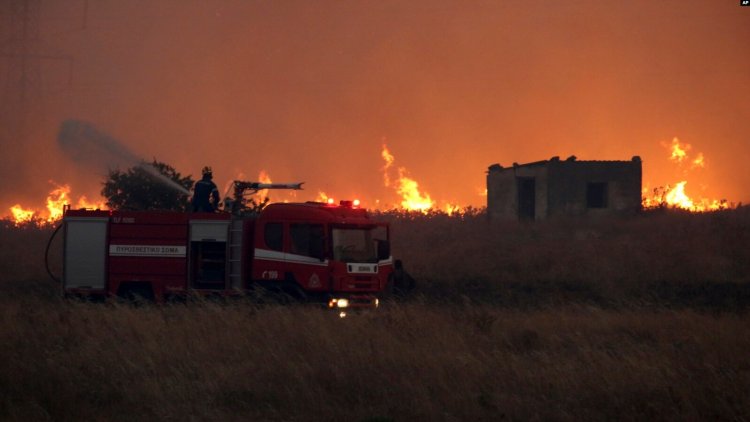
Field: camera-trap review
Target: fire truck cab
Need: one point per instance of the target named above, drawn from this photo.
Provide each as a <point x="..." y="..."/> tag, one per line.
<point x="334" y="254"/>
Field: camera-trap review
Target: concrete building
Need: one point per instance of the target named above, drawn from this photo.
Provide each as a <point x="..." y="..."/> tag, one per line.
<point x="555" y="188"/>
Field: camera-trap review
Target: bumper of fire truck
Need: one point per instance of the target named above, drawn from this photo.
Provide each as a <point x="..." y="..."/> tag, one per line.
<point x="358" y="285"/>
<point x="355" y="301"/>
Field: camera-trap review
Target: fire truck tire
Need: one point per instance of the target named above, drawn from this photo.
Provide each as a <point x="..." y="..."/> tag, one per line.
<point x="291" y="292"/>
<point x="136" y="292"/>
<point x="389" y="286"/>
<point x="403" y="282"/>
<point x="291" y="289"/>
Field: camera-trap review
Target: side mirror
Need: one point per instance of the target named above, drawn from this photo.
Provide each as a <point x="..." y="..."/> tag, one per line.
<point x="384" y="249"/>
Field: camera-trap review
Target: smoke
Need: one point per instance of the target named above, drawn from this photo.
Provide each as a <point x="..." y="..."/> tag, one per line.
<point x="93" y="149"/>
<point x="314" y="88"/>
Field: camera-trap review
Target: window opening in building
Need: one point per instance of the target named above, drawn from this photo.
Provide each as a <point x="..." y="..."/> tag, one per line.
<point x="596" y="195"/>
<point x="526" y="198"/>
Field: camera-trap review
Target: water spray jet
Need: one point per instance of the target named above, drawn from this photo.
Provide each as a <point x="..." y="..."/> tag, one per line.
<point x="91" y="148"/>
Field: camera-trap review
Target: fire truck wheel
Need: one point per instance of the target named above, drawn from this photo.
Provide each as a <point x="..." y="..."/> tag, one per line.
<point x="388" y="291"/>
<point x="404" y="283"/>
<point x="136" y="292"/>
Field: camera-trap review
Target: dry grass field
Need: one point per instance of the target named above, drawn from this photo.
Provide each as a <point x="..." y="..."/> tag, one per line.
<point x="638" y="318"/>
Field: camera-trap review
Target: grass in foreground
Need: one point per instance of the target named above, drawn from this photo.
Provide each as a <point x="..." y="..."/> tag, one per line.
<point x="78" y="361"/>
<point x="641" y="318"/>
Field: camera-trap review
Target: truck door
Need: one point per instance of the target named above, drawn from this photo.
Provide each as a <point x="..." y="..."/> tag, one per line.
<point x="292" y="256"/>
<point x="268" y="263"/>
<point x="307" y="257"/>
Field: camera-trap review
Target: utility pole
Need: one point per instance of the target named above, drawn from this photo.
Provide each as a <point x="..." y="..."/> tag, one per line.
<point x="24" y="51"/>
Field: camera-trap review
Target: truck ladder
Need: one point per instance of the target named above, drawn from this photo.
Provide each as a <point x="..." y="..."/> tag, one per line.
<point x="235" y="254"/>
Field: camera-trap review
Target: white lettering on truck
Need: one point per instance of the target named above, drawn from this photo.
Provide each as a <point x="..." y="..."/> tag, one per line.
<point x="148" y="250"/>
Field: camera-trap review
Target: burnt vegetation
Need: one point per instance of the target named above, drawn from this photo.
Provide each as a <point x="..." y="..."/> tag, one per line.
<point x="629" y="318"/>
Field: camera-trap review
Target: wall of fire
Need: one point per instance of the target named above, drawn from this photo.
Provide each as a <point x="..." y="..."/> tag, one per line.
<point x="554" y="187"/>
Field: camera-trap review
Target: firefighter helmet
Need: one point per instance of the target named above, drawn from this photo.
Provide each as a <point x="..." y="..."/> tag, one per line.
<point x="207" y="171"/>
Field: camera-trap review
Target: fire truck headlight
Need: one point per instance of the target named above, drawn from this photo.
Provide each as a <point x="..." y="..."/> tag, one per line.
<point x="338" y="303"/>
<point x="377" y="302"/>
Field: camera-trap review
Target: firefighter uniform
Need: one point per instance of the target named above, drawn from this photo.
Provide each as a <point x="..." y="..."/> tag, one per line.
<point x="205" y="194"/>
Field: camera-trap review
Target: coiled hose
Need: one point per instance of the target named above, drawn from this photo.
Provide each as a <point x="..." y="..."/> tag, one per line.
<point x="46" y="254"/>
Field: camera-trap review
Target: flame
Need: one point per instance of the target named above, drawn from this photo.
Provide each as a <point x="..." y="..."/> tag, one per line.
<point x="57" y="199"/>
<point x="21" y="215"/>
<point x="263" y="177"/>
<point x="322" y="197"/>
<point x="699" y="162"/>
<point x="679" y="154"/>
<point x="388" y="158"/>
<point x="411" y="198"/>
<point x="83" y="202"/>
<point x="676" y="196"/>
<point x="679" y="151"/>
<point x="451" y="209"/>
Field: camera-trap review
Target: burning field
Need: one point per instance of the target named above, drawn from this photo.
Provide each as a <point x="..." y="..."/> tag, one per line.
<point x="403" y="193"/>
<point x="675" y="195"/>
<point x="565" y="319"/>
<point x="58" y="198"/>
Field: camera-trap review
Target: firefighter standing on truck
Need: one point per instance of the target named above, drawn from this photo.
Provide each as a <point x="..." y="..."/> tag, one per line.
<point x="205" y="193"/>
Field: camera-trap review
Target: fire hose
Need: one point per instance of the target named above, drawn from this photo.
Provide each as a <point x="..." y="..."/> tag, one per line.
<point x="46" y="254"/>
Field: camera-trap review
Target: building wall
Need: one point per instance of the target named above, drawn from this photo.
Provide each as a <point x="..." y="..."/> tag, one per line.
<point x="503" y="191"/>
<point x="566" y="188"/>
<point x="501" y="195"/>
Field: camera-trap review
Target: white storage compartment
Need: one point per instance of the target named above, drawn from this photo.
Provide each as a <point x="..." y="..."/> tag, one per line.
<point x="207" y="230"/>
<point x="85" y="253"/>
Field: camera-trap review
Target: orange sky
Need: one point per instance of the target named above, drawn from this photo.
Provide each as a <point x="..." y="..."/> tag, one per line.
<point x="309" y="91"/>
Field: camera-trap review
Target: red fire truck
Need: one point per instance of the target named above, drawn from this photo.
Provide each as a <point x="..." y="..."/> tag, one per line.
<point x="335" y="254"/>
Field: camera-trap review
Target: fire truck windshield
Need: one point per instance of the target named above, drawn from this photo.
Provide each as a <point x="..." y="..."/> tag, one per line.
<point x="356" y="244"/>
